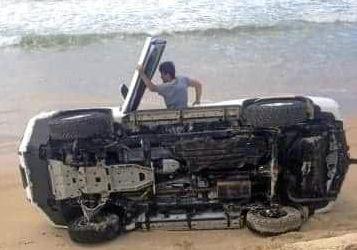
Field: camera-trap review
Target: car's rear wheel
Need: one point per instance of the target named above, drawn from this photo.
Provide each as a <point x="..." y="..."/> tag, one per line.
<point x="273" y="221"/>
<point x="80" y="126"/>
<point x="103" y="227"/>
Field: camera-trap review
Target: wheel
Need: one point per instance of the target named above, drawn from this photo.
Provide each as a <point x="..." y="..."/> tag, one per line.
<point x="275" y="114"/>
<point x="103" y="227"/>
<point x="80" y="126"/>
<point x="268" y="221"/>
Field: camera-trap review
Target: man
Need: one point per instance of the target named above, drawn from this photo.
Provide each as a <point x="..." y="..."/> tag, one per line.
<point x="174" y="88"/>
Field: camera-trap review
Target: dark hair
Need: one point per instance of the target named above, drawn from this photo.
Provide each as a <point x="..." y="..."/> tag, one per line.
<point x="167" y="68"/>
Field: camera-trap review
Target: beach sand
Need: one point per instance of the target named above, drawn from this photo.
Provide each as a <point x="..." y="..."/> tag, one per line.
<point x="23" y="227"/>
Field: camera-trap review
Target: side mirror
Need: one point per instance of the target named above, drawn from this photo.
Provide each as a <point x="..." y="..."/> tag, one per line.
<point x="124" y="91"/>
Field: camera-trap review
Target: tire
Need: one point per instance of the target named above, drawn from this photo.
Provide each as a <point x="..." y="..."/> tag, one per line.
<point x="290" y="221"/>
<point x="104" y="228"/>
<point x="81" y="126"/>
<point x="275" y="114"/>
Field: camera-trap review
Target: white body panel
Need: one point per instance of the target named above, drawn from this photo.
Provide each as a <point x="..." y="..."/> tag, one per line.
<point x="327" y="105"/>
<point x="136" y="74"/>
<point x="29" y="128"/>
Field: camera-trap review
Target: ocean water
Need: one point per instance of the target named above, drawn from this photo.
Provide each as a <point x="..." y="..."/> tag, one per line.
<point x="25" y="20"/>
<point x="75" y="53"/>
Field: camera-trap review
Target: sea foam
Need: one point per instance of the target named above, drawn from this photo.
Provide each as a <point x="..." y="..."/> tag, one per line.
<point x="20" y="19"/>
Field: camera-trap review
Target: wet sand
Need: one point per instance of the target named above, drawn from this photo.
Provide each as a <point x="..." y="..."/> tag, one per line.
<point x="23" y="227"/>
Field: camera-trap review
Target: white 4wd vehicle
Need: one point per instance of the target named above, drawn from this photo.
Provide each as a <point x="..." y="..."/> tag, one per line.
<point x="266" y="163"/>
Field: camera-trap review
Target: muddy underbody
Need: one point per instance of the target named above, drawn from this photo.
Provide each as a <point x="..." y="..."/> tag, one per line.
<point x="208" y="168"/>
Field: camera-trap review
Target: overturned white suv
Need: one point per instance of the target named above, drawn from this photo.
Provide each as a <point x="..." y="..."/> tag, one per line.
<point x="266" y="163"/>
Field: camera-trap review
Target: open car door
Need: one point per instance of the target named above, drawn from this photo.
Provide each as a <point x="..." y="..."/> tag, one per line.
<point x="149" y="58"/>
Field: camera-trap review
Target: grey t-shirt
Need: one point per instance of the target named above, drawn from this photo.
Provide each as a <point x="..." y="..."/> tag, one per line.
<point x="175" y="92"/>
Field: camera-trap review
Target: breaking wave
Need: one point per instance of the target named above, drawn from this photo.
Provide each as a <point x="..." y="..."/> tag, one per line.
<point x="46" y="23"/>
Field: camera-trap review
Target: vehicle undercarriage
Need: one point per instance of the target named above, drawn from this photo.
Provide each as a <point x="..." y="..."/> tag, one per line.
<point x="200" y="168"/>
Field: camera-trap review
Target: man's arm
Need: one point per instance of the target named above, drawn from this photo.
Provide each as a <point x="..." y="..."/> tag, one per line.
<point x="149" y="84"/>
<point x="198" y="90"/>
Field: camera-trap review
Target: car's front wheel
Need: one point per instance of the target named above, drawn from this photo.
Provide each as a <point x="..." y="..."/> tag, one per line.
<point x="101" y="228"/>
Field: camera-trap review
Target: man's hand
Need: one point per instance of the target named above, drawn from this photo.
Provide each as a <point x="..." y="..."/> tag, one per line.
<point x="149" y="84"/>
<point x="140" y="69"/>
<point x="198" y="89"/>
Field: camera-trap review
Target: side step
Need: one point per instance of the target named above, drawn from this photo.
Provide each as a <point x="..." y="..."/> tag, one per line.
<point x="181" y="222"/>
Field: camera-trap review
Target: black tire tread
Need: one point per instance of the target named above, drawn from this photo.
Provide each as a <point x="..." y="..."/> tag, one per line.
<point x="87" y="125"/>
<point x="262" y="115"/>
<point x="273" y="226"/>
<point x="107" y="228"/>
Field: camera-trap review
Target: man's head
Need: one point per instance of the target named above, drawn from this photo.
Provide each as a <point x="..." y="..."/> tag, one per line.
<point x="167" y="70"/>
